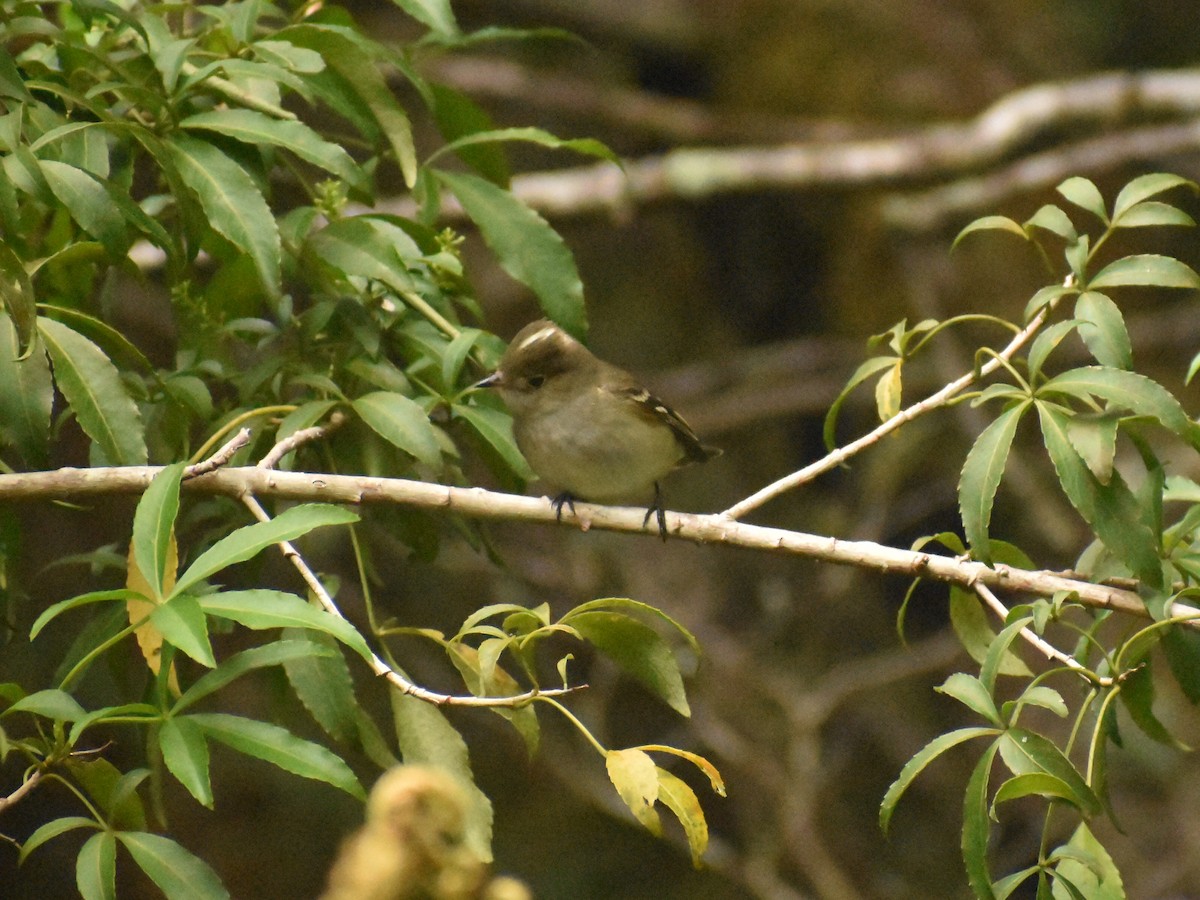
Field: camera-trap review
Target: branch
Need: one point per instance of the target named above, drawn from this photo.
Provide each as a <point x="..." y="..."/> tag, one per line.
<point x="484" y="504"/>
<point x="933" y="401"/>
<point x="26" y="786"/>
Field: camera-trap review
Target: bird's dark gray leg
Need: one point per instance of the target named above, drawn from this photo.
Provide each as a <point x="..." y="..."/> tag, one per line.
<point x="557" y="504"/>
<point x="655" y="508"/>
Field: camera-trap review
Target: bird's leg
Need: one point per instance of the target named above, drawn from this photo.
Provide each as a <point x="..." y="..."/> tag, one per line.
<point x="566" y="497"/>
<point x="655" y="508"/>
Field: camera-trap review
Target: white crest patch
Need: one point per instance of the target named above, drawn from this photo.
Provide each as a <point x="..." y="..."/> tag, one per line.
<point x="540" y="335"/>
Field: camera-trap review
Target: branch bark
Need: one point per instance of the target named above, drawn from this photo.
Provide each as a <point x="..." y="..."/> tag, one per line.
<point x="484" y="504"/>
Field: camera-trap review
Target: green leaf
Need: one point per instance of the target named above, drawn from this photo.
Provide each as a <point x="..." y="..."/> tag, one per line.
<point x="992" y="223"/>
<point x="273" y="654"/>
<point x="53" y="829"/>
<point x="232" y="203"/>
<point x="1128" y="390"/>
<point x="1146" y="270"/>
<point x="1046" y="698"/>
<point x="253" y="127"/>
<point x="1102" y="328"/>
<point x="981" y="474"/>
<point x="365" y="247"/>
<point x="96" y="867"/>
<point x="541" y="137"/>
<point x="970" y="623"/>
<point x="457" y="115"/>
<point x="1084" y="194"/>
<point x="425" y="736"/>
<point x="26" y="391"/>
<point x="969" y="691"/>
<point x="114" y="792"/>
<point x="154" y="525"/>
<point x="182" y="623"/>
<point x="1137" y="696"/>
<point x="1151" y="213"/>
<point x="145" y="711"/>
<point x="526" y="246"/>
<point x="1181" y="646"/>
<point x="919" y="762"/>
<point x="1040" y="784"/>
<point x="250" y="540"/>
<point x="322" y="682"/>
<point x="1051" y="218"/>
<point x="1026" y="752"/>
<point x="1094" y="438"/>
<point x="281" y="748"/>
<point x="495" y="428"/>
<point x="865" y="370"/>
<point x="185" y="753"/>
<point x="260" y="609"/>
<point x="50" y="704"/>
<point x="88" y="203"/>
<point x="92" y="387"/>
<point x="977" y="826"/>
<point x="176" y="871"/>
<point x="626" y="605"/>
<point x="403" y="423"/>
<point x="52" y="612"/>
<point x="1145" y="187"/>
<point x="998" y="653"/>
<point x="638" y="649"/>
<point x="1097" y="878"/>
<point x="1110" y="509"/>
<point x="436" y="14"/>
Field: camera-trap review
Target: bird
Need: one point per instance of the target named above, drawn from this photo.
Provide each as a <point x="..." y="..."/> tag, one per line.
<point x="587" y="428"/>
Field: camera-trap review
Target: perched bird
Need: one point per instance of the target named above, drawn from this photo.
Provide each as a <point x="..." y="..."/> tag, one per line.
<point x="587" y="428"/>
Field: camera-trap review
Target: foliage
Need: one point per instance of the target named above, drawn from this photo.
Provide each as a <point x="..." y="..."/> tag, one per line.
<point x="1107" y="431"/>
<point x="223" y="145"/>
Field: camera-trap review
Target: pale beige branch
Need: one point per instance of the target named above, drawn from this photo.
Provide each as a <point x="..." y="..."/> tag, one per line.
<point x="26" y="786"/>
<point x="484" y="504"/>
<point x="299" y="438"/>
<point x="837" y="457"/>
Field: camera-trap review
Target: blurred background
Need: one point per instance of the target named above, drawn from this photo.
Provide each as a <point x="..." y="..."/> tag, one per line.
<point x="747" y="306"/>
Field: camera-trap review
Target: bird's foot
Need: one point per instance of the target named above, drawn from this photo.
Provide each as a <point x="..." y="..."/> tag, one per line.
<point x="655" y="508"/>
<point x="565" y="498"/>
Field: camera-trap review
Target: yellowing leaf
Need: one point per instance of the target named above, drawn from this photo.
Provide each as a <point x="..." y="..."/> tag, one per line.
<point x="149" y="638"/>
<point x="635" y="777"/>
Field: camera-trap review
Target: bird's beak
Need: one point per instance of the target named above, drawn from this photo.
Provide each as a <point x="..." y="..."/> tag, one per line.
<point x="496" y="379"/>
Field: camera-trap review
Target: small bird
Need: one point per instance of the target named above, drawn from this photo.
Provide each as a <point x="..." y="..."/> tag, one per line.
<point x="587" y="428"/>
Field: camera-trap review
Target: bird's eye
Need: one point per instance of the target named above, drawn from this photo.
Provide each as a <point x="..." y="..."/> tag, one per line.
<point x="536" y="381"/>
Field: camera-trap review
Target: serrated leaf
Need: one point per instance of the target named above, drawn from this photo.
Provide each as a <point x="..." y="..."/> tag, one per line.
<point x="1146" y="270"/>
<point x="281" y="748"/>
<point x="181" y="621"/>
<point x="154" y="529"/>
<point x="55" y="610"/>
<point x="992" y="223"/>
<point x="250" y="540"/>
<point x="1094" y="438"/>
<point x="1102" y="328"/>
<point x="919" y="762"/>
<point x="1137" y="696"/>
<point x="1026" y="752"/>
<point x="185" y="753"/>
<point x="1084" y="194"/>
<point x="1128" y="390"/>
<point x="539" y="136"/>
<point x="96" y="867"/>
<point x="52" y="829"/>
<point x="864" y="371"/>
<point x="92" y="386"/>
<point x="322" y="682"/>
<point x="425" y="736"/>
<point x="526" y="247"/>
<point x="276" y="653"/>
<point x="969" y="691"/>
<point x="232" y="203"/>
<point x="112" y="791"/>
<point x="26" y="391"/>
<point x="252" y="127"/>
<point x="365" y="247"/>
<point x="998" y="653"/>
<point x="176" y="871"/>
<point x="1181" y="645"/>
<point x="970" y="623"/>
<point x="261" y="608"/>
<point x="1040" y="784"/>
<point x="981" y="474"/>
<point x="1145" y="186"/>
<point x="635" y="776"/>
<point x="495" y="428"/>
<point x="638" y="649"/>
<point x="977" y="826"/>
<point x="50" y="704"/>
<point x="1097" y="878"/>
<point x="88" y="203"/>
<point x="401" y="422"/>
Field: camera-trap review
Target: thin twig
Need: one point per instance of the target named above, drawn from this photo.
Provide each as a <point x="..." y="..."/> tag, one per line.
<point x="378" y="665"/>
<point x="299" y="438"/>
<point x="933" y="401"/>
<point x="221" y="457"/>
<point x="1041" y="645"/>
<point x="16" y="796"/>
